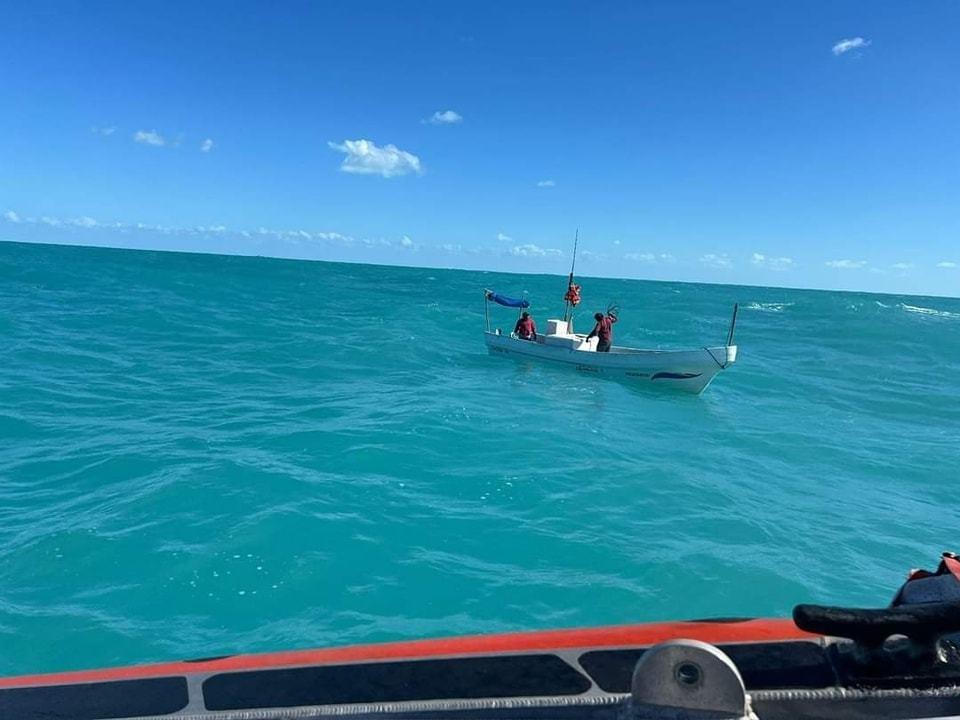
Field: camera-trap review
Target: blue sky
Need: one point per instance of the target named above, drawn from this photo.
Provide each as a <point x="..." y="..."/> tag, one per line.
<point x="812" y="144"/>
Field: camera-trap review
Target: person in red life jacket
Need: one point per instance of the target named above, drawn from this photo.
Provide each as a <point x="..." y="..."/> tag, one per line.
<point x="603" y="331"/>
<point x="526" y="328"/>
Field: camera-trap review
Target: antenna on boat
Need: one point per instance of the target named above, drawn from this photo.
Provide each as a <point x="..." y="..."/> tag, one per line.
<point x="576" y="239"/>
<point x="568" y="305"/>
<point x="733" y="324"/>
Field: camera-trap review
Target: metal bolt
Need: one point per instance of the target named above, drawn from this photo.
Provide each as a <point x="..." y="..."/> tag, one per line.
<point x="687" y="674"/>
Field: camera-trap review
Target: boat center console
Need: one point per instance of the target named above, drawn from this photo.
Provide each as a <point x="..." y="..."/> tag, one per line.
<point x="560" y="334"/>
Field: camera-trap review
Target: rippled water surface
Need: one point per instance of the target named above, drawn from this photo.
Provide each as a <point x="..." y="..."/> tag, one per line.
<point x="203" y="455"/>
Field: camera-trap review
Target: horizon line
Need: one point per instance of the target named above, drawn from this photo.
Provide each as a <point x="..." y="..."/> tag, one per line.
<point x="462" y="269"/>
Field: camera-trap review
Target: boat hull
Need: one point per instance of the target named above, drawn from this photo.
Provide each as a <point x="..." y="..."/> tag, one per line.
<point x="779" y="670"/>
<point x="687" y="370"/>
<point x="516" y="673"/>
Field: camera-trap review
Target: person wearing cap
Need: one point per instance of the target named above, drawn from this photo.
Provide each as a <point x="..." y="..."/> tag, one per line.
<point x="526" y="328"/>
<point x="603" y="331"/>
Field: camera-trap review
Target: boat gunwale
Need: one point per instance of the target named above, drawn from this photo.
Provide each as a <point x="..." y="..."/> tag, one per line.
<point x="614" y="349"/>
<point x="720" y="630"/>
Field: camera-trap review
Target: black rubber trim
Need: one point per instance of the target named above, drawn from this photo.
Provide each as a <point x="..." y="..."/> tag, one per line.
<point x="96" y="701"/>
<point x="456" y="678"/>
<point x="763" y="666"/>
<point x="924" y="622"/>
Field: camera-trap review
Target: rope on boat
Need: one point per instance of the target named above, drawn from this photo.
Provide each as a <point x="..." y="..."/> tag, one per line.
<point x="733" y="325"/>
<point x="723" y="365"/>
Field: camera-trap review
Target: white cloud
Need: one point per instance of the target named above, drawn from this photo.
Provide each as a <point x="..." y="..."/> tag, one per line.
<point x="902" y="266"/>
<point x="848" y="44"/>
<point x="207" y="145"/>
<point x="502" y="237"/>
<point x="406" y="242"/>
<point x="721" y="262"/>
<point x="445" y="117"/>
<point x="616" y="242"/>
<point x="648" y="257"/>
<point x="771" y="263"/>
<point x="590" y="255"/>
<point x="151" y="137"/>
<point x="946" y="264"/>
<point x="531" y="250"/>
<point x="451" y="248"/>
<point x="105" y="131"/>
<point x="846" y="264"/>
<point x="295" y="236"/>
<point x="334" y="236"/>
<point x="364" y="157"/>
<point x="546" y="183"/>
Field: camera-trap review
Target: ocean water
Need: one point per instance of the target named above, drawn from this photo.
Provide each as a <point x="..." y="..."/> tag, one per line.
<point x="203" y="455"/>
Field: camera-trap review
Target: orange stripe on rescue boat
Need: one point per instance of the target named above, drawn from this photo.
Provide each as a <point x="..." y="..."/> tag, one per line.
<point x="587" y="638"/>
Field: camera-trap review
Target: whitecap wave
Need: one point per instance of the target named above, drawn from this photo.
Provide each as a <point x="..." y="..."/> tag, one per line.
<point x="768" y="307"/>
<point x="930" y="312"/>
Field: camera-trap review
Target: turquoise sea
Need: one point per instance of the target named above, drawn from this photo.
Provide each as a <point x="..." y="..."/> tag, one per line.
<point x="203" y="455"/>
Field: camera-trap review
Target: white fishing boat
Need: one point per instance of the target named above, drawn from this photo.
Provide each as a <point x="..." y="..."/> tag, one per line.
<point x="690" y="370"/>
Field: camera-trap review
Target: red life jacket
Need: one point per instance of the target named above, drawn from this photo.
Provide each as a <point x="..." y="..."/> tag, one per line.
<point x="526" y="328"/>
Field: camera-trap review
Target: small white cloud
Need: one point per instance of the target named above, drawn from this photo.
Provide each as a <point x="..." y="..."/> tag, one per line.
<point x="406" y="242"/>
<point x="846" y="264"/>
<point x="848" y="44"/>
<point x="616" y="242"/>
<point x="721" y="262"/>
<point x="334" y="236"/>
<point x="502" y="237"/>
<point x="207" y="145"/>
<point x="11" y="216"/>
<point x="221" y="229"/>
<point x="771" y="263"/>
<point x="531" y="250"/>
<point x="149" y="137"/>
<point x="590" y="255"/>
<point x="648" y="257"/>
<point x="445" y="117"/>
<point x="546" y="183"/>
<point x="451" y="248"/>
<point x="84" y="222"/>
<point x="902" y="266"/>
<point x="946" y="264"/>
<point x="51" y="221"/>
<point x="104" y="131"/>
<point x="364" y="157"/>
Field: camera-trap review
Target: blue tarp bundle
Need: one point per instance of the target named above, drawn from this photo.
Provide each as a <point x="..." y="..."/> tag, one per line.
<point x="507" y="301"/>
